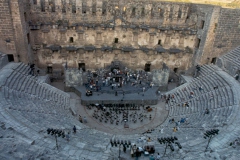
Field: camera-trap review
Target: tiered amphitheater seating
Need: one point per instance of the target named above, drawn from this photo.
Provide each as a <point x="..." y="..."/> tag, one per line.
<point x="18" y="79"/>
<point x="232" y="57"/>
<point x="30" y="107"/>
<point x="222" y="102"/>
<point x="230" y="62"/>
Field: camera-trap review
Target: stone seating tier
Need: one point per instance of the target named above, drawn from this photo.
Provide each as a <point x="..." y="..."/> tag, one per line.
<point x="233" y="56"/>
<point x="19" y="79"/>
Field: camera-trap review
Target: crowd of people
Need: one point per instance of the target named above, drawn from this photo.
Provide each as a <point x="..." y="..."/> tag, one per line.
<point x="116" y="78"/>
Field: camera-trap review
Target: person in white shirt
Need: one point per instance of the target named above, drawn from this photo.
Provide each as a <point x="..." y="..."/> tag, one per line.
<point x="158" y="156"/>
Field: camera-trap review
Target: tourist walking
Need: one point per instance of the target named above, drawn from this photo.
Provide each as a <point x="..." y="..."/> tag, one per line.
<point x="74" y="129"/>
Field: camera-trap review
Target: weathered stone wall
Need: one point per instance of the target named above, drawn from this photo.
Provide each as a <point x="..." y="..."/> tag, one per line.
<point x="204" y="26"/>
<point x="13" y="30"/>
<point x="86" y="31"/>
<point x="19" y="13"/>
<point x="160" y="78"/>
<point x="73" y="77"/>
<point x="97" y="32"/>
<point x="224" y="36"/>
<point x="7" y="40"/>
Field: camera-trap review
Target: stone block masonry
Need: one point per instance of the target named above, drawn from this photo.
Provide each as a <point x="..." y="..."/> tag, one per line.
<point x="7" y="43"/>
<point x="225" y="33"/>
<point x="94" y="33"/>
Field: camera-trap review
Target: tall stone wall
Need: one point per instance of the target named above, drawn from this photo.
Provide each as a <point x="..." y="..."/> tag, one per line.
<point x="22" y="39"/>
<point x="204" y="26"/>
<point x="225" y="34"/>
<point x="7" y="37"/>
<point x="99" y="32"/>
<point x="13" y="30"/>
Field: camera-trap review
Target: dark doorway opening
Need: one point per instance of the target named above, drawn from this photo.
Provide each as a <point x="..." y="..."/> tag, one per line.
<point x="81" y="65"/>
<point x="198" y="43"/>
<point x="28" y="38"/>
<point x="214" y="59"/>
<point x="49" y="70"/>
<point x="10" y="58"/>
<point x="116" y="40"/>
<point x="175" y="70"/>
<point x="159" y="42"/>
<point x="147" y="67"/>
<point x="71" y="39"/>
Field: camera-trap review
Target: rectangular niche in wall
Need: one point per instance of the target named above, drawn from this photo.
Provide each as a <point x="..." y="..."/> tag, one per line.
<point x="71" y="40"/>
<point x="49" y="69"/>
<point x="147" y="67"/>
<point x="116" y="40"/>
<point x="28" y="38"/>
<point x="201" y="26"/>
<point x="82" y="66"/>
<point x="198" y="43"/>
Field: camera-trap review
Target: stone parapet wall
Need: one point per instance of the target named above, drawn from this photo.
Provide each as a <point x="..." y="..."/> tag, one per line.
<point x="3" y="60"/>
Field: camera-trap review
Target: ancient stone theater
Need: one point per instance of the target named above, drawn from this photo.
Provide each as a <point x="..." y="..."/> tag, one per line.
<point x="120" y="79"/>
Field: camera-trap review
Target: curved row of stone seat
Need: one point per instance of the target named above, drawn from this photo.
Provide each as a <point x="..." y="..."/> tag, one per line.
<point x="34" y="113"/>
<point x="37" y="111"/>
<point x="182" y="96"/>
<point x="210" y="100"/>
<point x="206" y="70"/>
<point x="223" y="106"/>
<point x="27" y="103"/>
<point x="207" y="98"/>
<point x="20" y="80"/>
<point x="230" y="63"/>
<point x="233" y="56"/>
